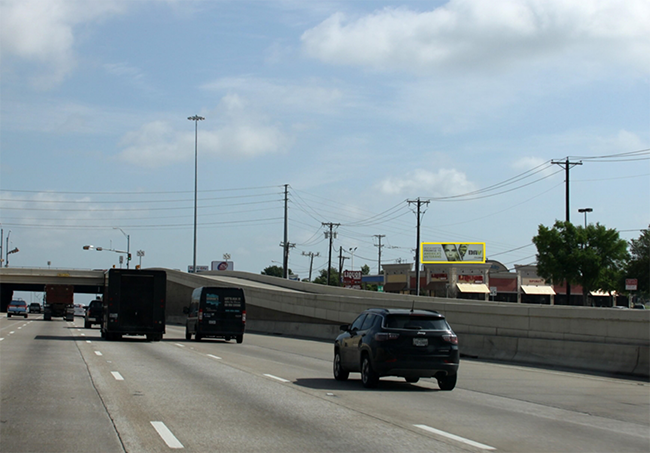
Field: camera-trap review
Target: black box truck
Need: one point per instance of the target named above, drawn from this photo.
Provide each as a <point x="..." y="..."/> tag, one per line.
<point x="134" y="303"/>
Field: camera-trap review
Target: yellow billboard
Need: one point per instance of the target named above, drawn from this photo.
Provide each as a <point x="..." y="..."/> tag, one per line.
<point x="452" y="252"/>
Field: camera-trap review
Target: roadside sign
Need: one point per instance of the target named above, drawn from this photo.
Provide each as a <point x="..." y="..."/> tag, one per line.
<point x="352" y="279"/>
<point x="631" y="284"/>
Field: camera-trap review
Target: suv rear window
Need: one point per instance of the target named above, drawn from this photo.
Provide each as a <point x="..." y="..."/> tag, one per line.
<point x="416" y="322"/>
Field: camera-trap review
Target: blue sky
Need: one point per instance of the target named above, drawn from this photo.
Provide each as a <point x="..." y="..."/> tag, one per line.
<point x="358" y="106"/>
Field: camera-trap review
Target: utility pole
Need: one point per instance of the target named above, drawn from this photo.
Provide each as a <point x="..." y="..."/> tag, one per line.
<point x="567" y="165"/>
<point x="285" y="264"/>
<point x="330" y="234"/>
<point x="341" y="260"/>
<point x="311" y="256"/>
<point x="285" y="244"/>
<point x="379" y="236"/>
<point x="417" y="245"/>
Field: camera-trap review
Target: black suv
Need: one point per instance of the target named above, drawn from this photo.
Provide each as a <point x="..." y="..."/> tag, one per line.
<point x="94" y="313"/>
<point x="412" y="344"/>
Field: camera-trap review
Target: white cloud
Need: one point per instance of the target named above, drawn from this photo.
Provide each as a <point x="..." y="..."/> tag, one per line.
<point x="478" y="35"/>
<point x="528" y="163"/>
<point x="42" y="31"/>
<point x="445" y="182"/>
<point x="239" y="133"/>
<point x="311" y="95"/>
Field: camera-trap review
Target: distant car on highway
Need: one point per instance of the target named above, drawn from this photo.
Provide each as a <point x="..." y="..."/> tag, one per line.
<point x="412" y="344"/>
<point x="35" y="307"/>
<point x="17" y="308"/>
<point x="79" y="310"/>
<point x="94" y="313"/>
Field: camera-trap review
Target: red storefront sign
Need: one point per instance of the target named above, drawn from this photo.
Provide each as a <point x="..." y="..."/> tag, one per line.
<point x="352" y="279"/>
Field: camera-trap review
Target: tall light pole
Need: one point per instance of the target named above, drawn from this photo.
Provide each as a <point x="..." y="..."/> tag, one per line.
<point x="196" y="119"/>
<point x="352" y="250"/>
<point x="7" y="250"/>
<point x="128" y="245"/>
<point x="585" y="211"/>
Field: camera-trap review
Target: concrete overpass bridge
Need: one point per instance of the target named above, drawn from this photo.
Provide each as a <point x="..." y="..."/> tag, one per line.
<point x="596" y="339"/>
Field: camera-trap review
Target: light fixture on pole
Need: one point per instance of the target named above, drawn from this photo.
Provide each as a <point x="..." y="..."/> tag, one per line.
<point x="352" y="249"/>
<point x="585" y="211"/>
<point x="196" y="119"/>
<point x="128" y="246"/>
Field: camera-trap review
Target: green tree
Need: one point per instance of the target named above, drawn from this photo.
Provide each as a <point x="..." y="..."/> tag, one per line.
<point x="275" y="271"/>
<point x="322" y="278"/>
<point x="365" y="270"/>
<point x="639" y="265"/>
<point x="592" y="257"/>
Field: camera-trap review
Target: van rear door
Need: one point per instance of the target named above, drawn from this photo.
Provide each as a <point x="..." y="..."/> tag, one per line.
<point x="224" y="311"/>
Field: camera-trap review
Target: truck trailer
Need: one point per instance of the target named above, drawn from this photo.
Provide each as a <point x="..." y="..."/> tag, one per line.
<point x="134" y="303"/>
<point x="59" y="302"/>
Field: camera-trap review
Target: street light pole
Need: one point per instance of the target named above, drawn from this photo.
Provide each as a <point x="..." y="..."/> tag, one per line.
<point x="7" y="250"/>
<point x="352" y="250"/>
<point x="196" y="119"/>
<point x="585" y="211"/>
<point x="128" y="245"/>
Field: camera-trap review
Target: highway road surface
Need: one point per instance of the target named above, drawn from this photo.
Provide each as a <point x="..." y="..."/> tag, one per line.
<point x="64" y="389"/>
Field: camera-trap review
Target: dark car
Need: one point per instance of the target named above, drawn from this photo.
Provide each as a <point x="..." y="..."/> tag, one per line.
<point x="17" y="308"/>
<point x="35" y="307"/>
<point x="412" y="344"/>
<point x="94" y="313"/>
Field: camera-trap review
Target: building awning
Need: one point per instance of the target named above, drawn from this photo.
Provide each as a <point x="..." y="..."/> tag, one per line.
<point x="538" y="290"/>
<point x="434" y="285"/>
<point x="394" y="286"/>
<point x="480" y="288"/>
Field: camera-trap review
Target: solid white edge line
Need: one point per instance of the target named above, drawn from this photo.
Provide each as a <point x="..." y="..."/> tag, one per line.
<point x="276" y="378"/>
<point x="454" y="437"/>
<point x="166" y="434"/>
<point x="117" y="375"/>
<point x="214" y="356"/>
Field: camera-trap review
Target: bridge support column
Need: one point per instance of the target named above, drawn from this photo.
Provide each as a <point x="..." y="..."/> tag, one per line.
<point x="6" y="294"/>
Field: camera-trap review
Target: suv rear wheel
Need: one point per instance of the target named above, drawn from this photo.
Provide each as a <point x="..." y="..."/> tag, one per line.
<point x="339" y="373"/>
<point x="369" y="377"/>
<point x="447" y="382"/>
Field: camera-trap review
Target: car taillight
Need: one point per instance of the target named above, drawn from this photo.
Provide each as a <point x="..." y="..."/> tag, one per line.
<point x="243" y="317"/>
<point x="453" y="339"/>
<point x="385" y="336"/>
<point x="200" y="315"/>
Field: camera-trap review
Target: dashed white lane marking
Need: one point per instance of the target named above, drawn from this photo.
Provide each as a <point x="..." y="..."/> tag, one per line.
<point x="214" y="356"/>
<point x="12" y="332"/>
<point x="179" y="345"/>
<point x="167" y="435"/>
<point x="454" y="437"/>
<point x="1" y="339"/>
<point x="98" y="353"/>
<point x="117" y="376"/>
<point x="276" y="378"/>
<point x="88" y="341"/>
